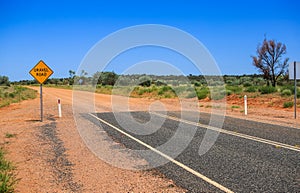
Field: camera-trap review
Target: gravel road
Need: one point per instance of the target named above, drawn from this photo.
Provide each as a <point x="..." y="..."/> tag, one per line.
<point x="239" y="164"/>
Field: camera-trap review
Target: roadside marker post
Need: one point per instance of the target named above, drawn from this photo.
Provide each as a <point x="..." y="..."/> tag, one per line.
<point x="245" y="105"/>
<point x="294" y="73"/>
<point x="295" y="96"/>
<point x="59" y="108"/>
<point x="41" y="72"/>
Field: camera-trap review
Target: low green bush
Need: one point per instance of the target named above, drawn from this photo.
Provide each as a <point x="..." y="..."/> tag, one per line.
<point x="251" y="89"/>
<point x="11" y="95"/>
<point x="7" y="176"/>
<point x="228" y="92"/>
<point x="247" y="84"/>
<point x="288" y="87"/>
<point x="267" y="89"/>
<point x="191" y="95"/>
<point x="217" y="94"/>
<point x="202" y="93"/>
<point x="234" y="89"/>
<point x="286" y="92"/>
<point x="288" y="104"/>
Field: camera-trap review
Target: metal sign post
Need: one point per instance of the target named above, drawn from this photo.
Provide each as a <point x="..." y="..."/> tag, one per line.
<point x="294" y="73"/>
<point x="41" y="101"/>
<point x="295" y="96"/>
<point x="41" y="72"/>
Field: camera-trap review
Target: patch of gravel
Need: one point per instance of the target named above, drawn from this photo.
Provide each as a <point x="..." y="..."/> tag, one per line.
<point x="57" y="158"/>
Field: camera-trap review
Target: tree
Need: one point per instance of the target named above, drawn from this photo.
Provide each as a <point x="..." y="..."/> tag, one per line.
<point x="71" y="77"/>
<point x="144" y="81"/>
<point x="104" y="78"/>
<point x="4" y="80"/>
<point x="108" y="78"/>
<point x="269" y="60"/>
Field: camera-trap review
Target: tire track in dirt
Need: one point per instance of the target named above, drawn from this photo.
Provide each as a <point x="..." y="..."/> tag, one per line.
<point x="57" y="157"/>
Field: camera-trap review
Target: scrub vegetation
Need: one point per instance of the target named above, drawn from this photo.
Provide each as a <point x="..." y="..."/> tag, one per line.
<point x="14" y="94"/>
<point x="7" y="175"/>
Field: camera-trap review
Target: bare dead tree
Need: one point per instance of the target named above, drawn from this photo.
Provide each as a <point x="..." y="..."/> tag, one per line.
<point x="269" y="60"/>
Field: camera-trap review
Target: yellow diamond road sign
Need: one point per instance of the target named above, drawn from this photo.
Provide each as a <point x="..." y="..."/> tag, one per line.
<point x="41" y="72"/>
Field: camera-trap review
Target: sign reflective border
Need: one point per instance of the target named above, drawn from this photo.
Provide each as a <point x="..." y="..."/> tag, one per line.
<point x="41" y="72"/>
<point x="291" y="70"/>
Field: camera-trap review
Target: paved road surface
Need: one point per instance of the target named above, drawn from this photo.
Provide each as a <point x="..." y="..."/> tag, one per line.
<point x="247" y="156"/>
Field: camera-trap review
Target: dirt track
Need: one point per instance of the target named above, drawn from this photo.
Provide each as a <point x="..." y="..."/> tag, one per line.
<point x="51" y="156"/>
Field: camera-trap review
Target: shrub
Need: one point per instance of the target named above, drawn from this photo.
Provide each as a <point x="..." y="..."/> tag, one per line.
<point x="202" y="93"/>
<point x="160" y="83"/>
<point x="191" y="95"/>
<point x="11" y="95"/>
<point x="217" y="93"/>
<point x="267" y="89"/>
<point x="166" y="88"/>
<point x="234" y="89"/>
<point x="196" y="83"/>
<point x="7" y="175"/>
<point x="228" y="92"/>
<point x="145" y="81"/>
<point x="247" y="84"/>
<point x="288" y="104"/>
<point x="167" y="95"/>
<point x="141" y="92"/>
<point x="286" y="92"/>
<point x="250" y="89"/>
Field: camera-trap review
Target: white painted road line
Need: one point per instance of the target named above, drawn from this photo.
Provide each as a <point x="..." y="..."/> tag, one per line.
<point x="249" y="137"/>
<point x="208" y="180"/>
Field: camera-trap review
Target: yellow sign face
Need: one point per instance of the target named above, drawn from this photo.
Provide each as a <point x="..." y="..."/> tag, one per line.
<point x="41" y="72"/>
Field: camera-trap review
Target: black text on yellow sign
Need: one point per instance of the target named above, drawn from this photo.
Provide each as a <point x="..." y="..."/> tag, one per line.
<point x="41" y="72"/>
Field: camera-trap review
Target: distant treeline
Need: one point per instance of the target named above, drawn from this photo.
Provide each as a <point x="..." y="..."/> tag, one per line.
<point x="111" y="78"/>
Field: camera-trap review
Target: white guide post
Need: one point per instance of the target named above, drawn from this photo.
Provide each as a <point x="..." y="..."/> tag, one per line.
<point x="59" y="108"/>
<point x="245" y="103"/>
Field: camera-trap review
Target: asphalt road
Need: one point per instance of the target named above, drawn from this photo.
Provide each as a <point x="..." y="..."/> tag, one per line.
<point x="237" y="163"/>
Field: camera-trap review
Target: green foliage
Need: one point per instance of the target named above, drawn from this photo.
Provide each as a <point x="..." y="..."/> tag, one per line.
<point x="247" y="84"/>
<point x="10" y="135"/>
<point x="251" y="89"/>
<point x="267" y="89"/>
<point x="11" y="95"/>
<point x="106" y="78"/>
<point x="202" y="93"/>
<point x="234" y="89"/>
<point x="217" y="94"/>
<point x="124" y="81"/>
<point x="166" y="88"/>
<point x="228" y="92"/>
<point x="196" y="83"/>
<point x="4" y="81"/>
<point x="288" y="87"/>
<point x="145" y="81"/>
<point x="191" y="95"/>
<point x="288" y="104"/>
<point x="160" y="83"/>
<point x="286" y="92"/>
<point x="7" y="176"/>
<point x="15" y="94"/>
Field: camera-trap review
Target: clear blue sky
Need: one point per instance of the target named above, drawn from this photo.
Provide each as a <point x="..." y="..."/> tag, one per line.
<point x="62" y="32"/>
